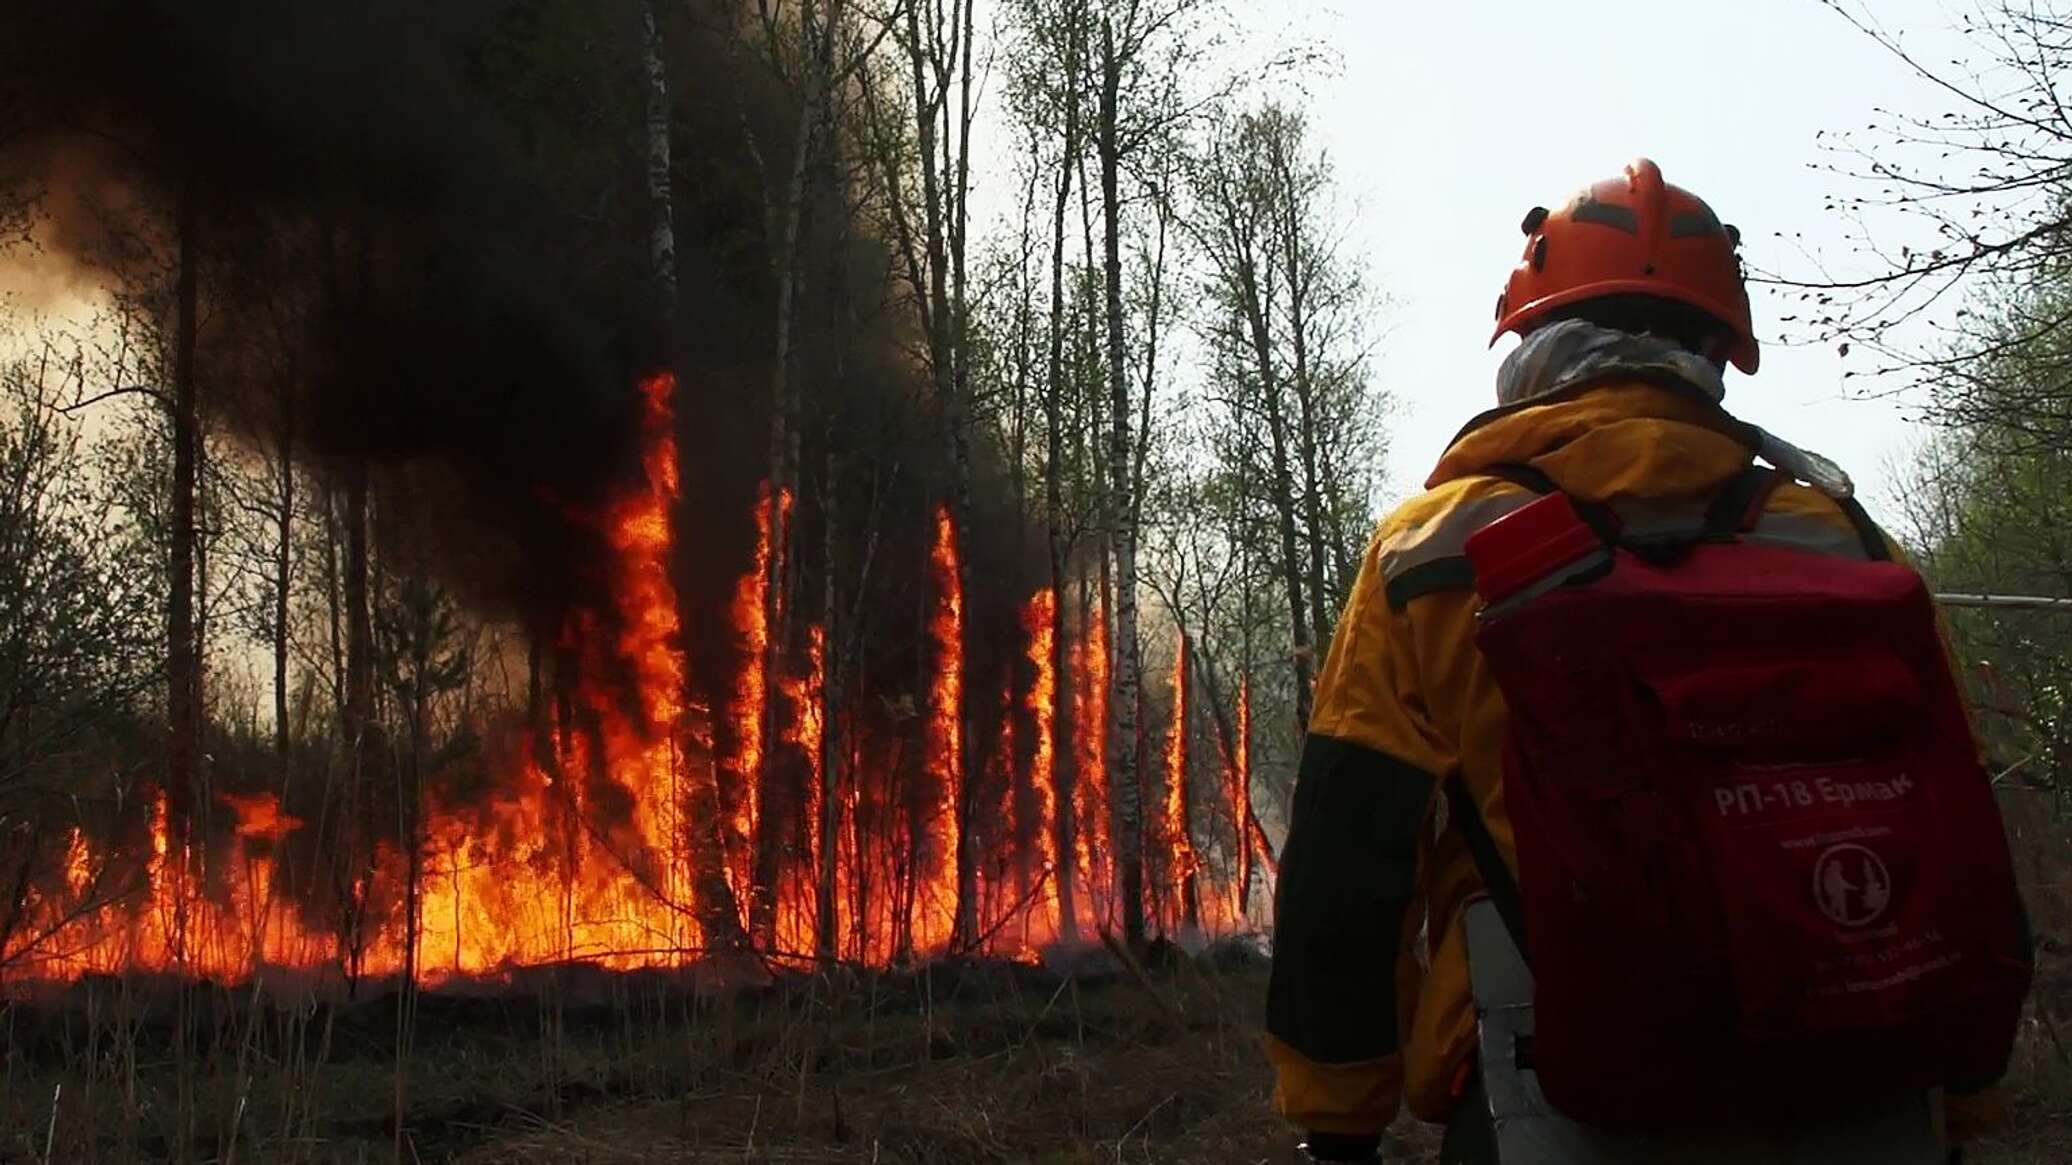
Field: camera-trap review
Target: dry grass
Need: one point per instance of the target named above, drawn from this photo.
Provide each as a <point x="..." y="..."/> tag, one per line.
<point x="952" y="1066"/>
<point x="1095" y="1071"/>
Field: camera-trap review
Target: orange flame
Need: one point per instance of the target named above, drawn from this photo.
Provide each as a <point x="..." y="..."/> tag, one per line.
<point x="945" y="746"/>
<point x="1179" y="845"/>
<point x="806" y="732"/>
<point x="1091" y="789"/>
<point x="1039" y="620"/>
<point x="588" y="847"/>
<point x="751" y="691"/>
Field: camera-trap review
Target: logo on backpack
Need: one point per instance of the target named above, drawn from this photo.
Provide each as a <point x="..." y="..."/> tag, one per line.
<point x="1851" y="885"/>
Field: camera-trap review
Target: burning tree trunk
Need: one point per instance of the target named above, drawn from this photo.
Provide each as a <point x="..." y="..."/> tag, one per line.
<point x="183" y="662"/>
<point x="964" y="934"/>
<point x="690" y="730"/>
<point x="1233" y="743"/>
<point x="1049" y="833"/>
<point x="1179" y="839"/>
<point x="826" y="926"/>
<point x="1093" y="836"/>
<point x="769" y="781"/>
<point x="931" y="262"/>
<point x="354" y="851"/>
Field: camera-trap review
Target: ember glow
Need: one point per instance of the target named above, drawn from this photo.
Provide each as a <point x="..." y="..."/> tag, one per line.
<point x="614" y="833"/>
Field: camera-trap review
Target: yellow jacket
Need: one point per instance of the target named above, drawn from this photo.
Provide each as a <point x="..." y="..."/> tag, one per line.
<point x="1369" y="1004"/>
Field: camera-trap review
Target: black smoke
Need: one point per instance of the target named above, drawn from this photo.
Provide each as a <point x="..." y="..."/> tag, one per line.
<point x="428" y="220"/>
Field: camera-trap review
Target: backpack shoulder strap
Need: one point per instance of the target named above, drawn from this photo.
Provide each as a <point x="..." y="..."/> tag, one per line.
<point x="1875" y="547"/>
<point x="1739" y="505"/>
<point x="1523" y="476"/>
<point x="1450" y="571"/>
<point x="1489" y="862"/>
<point x="1601" y="518"/>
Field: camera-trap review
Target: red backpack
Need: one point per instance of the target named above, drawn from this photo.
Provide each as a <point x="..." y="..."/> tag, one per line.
<point x="1760" y="870"/>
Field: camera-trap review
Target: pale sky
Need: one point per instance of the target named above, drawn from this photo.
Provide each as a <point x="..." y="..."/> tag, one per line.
<point x="1447" y="121"/>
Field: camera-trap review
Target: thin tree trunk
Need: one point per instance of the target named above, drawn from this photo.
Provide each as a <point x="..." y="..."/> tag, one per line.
<point x="1297" y="268"/>
<point x="1243" y="752"/>
<point x="772" y="806"/>
<point x="1227" y="748"/>
<point x="1190" y="890"/>
<point x="359" y="704"/>
<point x="662" y="230"/>
<point x="408" y="792"/>
<point x="183" y="663"/>
<point x="1128" y="747"/>
<point x="1024" y="322"/>
<point x="965" y="930"/>
<point x="359" y="630"/>
<point x="827" y="933"/>
<point x="1255" y="311"/>
<point x="1154" y="319"/>
<point x="1053" y="507"/>
<point x="943" y="241"/>
<point x="334" y="597"/>
<point x="283" y="565"/>
<point x="826" y="925"/>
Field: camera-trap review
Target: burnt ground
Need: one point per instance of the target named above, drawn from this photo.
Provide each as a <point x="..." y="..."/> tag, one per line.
<point x="953" y="1065"/>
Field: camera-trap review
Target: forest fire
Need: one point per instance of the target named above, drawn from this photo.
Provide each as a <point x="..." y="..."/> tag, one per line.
<point x="617" y="836"/>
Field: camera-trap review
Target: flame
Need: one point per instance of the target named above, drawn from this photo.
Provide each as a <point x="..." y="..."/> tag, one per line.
<point x="806" y="732"/>
<point x="751" y="691"/>
<point x="607" y="835"/>
<point x="1179" y="844"/>
<point x="260" y="816"/>
<point x="79" y="873"/>
<point x="1039" y="621"/>
<point x="1090" y="665"/>
<point x="945" y="746"/>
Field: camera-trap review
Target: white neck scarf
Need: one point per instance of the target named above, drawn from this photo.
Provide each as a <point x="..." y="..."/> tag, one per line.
<point x="1567" y="353"/>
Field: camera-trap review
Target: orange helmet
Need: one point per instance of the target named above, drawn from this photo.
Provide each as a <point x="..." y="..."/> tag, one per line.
<point x="1634" y="235"/>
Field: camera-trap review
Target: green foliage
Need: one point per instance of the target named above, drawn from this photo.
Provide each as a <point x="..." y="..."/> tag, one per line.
<point x="1991" y="512"/>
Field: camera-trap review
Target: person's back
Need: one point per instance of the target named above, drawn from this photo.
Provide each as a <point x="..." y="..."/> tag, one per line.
<point x="1630" y="300"/>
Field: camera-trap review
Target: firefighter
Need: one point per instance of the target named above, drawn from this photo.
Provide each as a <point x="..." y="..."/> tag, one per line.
<point x="1630" y="302"/>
